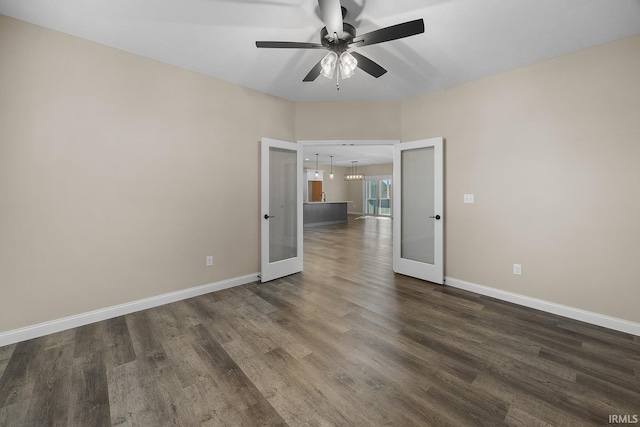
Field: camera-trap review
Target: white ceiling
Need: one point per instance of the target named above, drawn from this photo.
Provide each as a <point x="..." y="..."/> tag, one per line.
<point x="464" y="39"/>
<point x="344" y="152"/>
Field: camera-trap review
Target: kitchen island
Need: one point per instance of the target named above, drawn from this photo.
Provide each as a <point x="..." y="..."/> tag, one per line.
<point x="324" y="213"/>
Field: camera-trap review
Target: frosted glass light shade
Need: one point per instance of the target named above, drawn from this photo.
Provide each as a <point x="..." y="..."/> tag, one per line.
<point x="348" y="65"/>
<point x="328" y="64"/>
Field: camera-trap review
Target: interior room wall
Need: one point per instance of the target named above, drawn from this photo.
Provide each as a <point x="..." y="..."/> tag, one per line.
<point x="551" y="153"/>
<point x="354" y="195"/>
<point x="119" y="174"/>
<point x="347" y="120"/>
<point x="336" y="188"/>
<point x="377" y="170"/>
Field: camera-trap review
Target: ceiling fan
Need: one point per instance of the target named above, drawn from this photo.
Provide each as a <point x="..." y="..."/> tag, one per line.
<point x="338" y="37"/>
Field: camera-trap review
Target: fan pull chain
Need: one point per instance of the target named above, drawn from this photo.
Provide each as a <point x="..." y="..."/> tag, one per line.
<point x="337" y="79"/>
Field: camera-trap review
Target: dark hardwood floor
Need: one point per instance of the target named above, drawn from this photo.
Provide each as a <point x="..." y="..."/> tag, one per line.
<point x="346" y="343"/>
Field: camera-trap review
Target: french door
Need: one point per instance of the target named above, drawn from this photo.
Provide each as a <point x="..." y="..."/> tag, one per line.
<point x="418" y="226"/>
<point x="281" y="209"/>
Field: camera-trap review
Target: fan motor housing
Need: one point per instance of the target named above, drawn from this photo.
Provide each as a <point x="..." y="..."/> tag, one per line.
<point x="338" y="45"/>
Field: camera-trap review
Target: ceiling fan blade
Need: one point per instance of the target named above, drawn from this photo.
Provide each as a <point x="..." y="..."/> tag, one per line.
<point x="313" y="74"/>
<point x="331" y="13"/>
<point x="289" y="45"/>
<point x="368" y="65"/>
<point x="394" y="32"/>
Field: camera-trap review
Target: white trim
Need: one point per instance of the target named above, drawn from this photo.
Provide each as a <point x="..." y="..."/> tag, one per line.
<point x="53" y="326"/>
<point x="549" y="307"/>
<point x="348" y="141"/>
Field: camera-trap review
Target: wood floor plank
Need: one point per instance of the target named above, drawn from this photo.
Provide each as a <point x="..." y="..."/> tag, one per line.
<point x="118" y="346"/>
<point x="517" y="393"/>
<point x="5" y="355"/>
<point x="516" y="417"/>
<point x="132" y="399"/>
<point x="20" y="374"/>
<point x="281" y="337"/>
<point x="89" y="396"/>
<point x="49" y="403"/>
<point x="90" y="340"/>
<point x="233" y="381"/>
<point x="142" y="333"/>
<point x="269" y="373"/>
<point x="14" y="414"/>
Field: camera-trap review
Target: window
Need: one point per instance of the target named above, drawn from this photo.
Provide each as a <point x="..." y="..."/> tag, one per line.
<point x="377" y="196"/>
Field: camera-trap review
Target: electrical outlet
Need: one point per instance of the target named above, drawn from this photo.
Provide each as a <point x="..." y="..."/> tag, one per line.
<point x="517" y="269"/>
<point x="209" y="261"/>
<point x="468" y="198"/>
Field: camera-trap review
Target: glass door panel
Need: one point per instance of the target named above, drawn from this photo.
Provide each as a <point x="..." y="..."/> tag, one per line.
<point x="282" y="204"/>
<point x="371" y="197"/>
<point x="384" y="197"/>
<point x="417" y="201"/>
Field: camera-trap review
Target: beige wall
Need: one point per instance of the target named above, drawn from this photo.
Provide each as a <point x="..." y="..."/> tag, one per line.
<point x="552" y="154"/>
<point x="377" y="170"/>
<point x="119" y="174"/>
<point x="354" y="195"/>
<point x="336" y="188"/>
<point x="347" y="120"/>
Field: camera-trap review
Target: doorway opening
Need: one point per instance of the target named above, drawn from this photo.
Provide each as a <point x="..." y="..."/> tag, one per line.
<point x="377" y="196"/>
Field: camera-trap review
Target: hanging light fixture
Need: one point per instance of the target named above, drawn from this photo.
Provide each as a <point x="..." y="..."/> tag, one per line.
<point x="331" y="174"/>
<point x="317" y="174"/>
<point x="354" y="175"/>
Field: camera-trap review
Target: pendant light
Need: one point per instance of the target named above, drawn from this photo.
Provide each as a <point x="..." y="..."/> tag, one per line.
<point x="354" y="175"/>
<point x="317" y="174"/>
<point x="331" y="174"/>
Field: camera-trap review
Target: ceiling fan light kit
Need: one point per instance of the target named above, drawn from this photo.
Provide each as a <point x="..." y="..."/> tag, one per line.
<point x="337" y="36"/>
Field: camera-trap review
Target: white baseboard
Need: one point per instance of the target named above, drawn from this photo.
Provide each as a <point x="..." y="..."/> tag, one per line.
<point x="550" y="307"/>
<point x="53" y="326"/>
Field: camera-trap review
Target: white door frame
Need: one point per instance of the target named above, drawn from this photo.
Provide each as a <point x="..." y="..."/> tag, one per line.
<point x="274" y="270"/>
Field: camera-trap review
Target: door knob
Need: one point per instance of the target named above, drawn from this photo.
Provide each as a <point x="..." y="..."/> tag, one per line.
<point x="267" y="216"/>
<point x="436" y="217"/>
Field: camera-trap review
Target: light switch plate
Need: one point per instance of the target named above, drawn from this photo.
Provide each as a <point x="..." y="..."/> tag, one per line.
<point x="208" y="262"/>
<point x="468" y="198"/>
